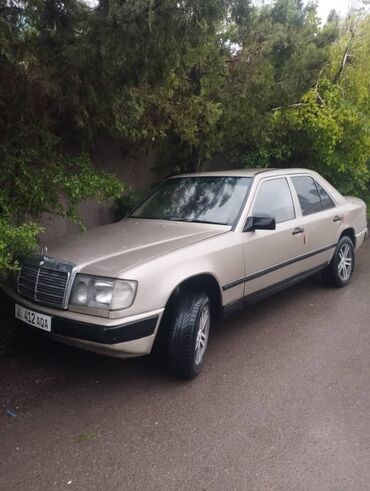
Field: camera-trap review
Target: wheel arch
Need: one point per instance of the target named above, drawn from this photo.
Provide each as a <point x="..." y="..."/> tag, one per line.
<point x="202" y="282"/>
<point x="349" y="232"/>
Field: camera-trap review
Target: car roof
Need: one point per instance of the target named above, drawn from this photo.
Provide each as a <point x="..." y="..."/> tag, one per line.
<point x="246" y="172"/>
<point x="273" y="173"/>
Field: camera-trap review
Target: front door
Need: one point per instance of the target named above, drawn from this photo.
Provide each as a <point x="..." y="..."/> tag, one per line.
<point x="272" y="256"/>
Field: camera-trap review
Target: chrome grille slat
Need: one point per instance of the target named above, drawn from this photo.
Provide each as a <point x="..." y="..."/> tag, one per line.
<point x="50" y="290"/>
<point x="48" y="279"/>
<point x="56" y="294"/>
<point x="27" y="280"/>
<point x="45" y="280"/>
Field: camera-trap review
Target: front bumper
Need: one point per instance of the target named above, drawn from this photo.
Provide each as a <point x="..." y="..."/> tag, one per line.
<point x="361" y="237"/>
<point x="105" y="335"/>
<point x="129" y="336"/>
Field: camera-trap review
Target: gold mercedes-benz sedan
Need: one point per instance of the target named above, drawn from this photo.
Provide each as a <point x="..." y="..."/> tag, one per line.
<point x="196" y="249"/>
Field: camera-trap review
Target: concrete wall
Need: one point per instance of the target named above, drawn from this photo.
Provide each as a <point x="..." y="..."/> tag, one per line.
<point x="135" y="171"/>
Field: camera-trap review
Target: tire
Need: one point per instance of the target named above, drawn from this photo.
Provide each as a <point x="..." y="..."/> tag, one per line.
<point x="339" y="271"/>
<point x="188" y="334"/>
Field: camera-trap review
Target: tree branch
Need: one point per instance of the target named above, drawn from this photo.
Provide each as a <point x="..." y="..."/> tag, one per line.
<point x="297" y="104"/>
<point x="352" y="31"/>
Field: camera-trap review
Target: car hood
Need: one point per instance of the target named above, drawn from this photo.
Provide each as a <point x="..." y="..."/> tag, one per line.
<point x="111" y="249"/>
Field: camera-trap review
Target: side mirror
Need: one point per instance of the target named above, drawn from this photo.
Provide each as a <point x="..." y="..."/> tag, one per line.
<point x="259" y="223"/>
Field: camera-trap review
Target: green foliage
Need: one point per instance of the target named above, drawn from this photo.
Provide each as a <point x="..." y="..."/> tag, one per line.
<point x="40" y="116"/>
<point x="306" y="95"/>
<point x="283" y="51"/>
<point x="328" y="129"/>
<point x="327" y="134"/>
<point x="38" y="179"/>
<point x="15" y="240"/>
<point x="126" y="203"/>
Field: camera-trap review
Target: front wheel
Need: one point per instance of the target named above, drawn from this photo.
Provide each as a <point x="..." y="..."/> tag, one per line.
<point x="341" y="267"/>
<point x="188" y="334"/>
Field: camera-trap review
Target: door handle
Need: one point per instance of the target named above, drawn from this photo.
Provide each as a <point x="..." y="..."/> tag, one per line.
<point x="338" y="218"/>
<point x="298" y="230"/>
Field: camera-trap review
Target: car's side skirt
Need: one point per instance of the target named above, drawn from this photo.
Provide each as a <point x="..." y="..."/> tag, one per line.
<point x="241" y="303"/>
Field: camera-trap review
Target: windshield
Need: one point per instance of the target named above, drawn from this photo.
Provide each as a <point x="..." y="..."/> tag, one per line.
<point x="208" y="199"/>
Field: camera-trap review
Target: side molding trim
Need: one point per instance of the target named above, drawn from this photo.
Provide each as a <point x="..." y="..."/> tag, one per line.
<point x="271" y="269"/>
<point x="241" y="303"/>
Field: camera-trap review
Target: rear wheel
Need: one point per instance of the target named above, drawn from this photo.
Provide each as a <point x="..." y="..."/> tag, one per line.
<point x="189" y="327"/>
<point x="341" y="267"/>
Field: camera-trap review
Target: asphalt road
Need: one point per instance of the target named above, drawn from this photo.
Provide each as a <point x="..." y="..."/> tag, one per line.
<point x="283" y="403"/>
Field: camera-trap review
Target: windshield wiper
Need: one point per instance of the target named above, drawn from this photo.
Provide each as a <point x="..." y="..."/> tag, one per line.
<point x="174" y="219"/>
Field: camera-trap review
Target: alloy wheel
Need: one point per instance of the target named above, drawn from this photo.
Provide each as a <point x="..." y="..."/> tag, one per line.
<point x="202" y="334"/>
<point x="345" y="262"/>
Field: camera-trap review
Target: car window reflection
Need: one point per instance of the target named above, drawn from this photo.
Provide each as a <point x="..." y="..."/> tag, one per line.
<point x="204" y="199"/>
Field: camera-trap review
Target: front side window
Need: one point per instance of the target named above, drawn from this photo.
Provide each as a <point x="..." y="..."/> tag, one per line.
<point x="308" y="194"/>
<point x="205" y="199"/>
<point x="274" y="200"/>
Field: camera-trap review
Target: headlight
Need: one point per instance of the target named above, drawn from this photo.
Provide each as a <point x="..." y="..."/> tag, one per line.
<point x="102" y="293"/>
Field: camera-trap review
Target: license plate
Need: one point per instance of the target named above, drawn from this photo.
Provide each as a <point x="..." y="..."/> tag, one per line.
<point x="35" y="319"/>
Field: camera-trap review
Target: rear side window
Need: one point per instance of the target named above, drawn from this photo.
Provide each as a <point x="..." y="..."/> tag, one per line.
<point x="308" y="194"/>
<point x="326" y="200"/>
<point x="274" y="200"/>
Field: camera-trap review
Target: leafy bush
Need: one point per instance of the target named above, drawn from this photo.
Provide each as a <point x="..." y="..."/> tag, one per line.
<point x="327" y="127"/>
<point x="329" y="135"/>
<point x="41" y="179"/>
<point x="16" y="240"/>
<point x="126" y="203"/>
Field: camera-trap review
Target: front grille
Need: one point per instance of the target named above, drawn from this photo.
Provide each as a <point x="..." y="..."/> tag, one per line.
<point x="44" y="281"/>
<point x="27" y="280"/>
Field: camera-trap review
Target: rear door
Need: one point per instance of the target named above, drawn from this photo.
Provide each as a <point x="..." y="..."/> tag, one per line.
<point x="271" y="255"/>
<point x="320" y="220"/>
